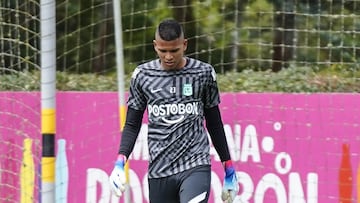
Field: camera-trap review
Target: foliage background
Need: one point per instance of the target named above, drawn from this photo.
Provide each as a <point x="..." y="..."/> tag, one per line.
<point x="254" y="45"/>
<point x="292" y="80"/>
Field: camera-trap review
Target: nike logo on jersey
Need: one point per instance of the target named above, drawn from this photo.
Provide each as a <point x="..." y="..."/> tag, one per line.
<point x="155" y="90"/>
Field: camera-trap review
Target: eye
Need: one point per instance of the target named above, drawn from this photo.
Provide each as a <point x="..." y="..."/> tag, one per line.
<point x="170" y="51"/>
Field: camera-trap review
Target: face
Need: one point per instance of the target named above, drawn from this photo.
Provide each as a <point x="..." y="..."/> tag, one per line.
<point x="171" y="53"/>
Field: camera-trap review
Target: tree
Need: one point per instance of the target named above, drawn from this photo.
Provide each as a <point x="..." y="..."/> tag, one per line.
<point x="283" y="42"/>
<point x="183" y="13"/>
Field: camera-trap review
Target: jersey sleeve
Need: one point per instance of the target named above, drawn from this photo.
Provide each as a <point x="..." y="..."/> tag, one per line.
<point x="215" y="128"/>
<point x="211" y="96"/>
<point x="137" y="98"/>
<point x="131" y="131"/>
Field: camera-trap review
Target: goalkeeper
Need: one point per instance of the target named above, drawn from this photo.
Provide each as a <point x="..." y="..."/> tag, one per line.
<point x="179" y="93"/>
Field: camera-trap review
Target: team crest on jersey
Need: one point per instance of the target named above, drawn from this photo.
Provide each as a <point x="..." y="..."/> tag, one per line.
<point x="187" y="90"/>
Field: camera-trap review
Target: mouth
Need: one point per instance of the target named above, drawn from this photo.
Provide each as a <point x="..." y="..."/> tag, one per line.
<point x="169" y="63"/>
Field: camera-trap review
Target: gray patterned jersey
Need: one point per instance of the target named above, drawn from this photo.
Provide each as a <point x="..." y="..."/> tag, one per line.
<point x="175" y="102"/>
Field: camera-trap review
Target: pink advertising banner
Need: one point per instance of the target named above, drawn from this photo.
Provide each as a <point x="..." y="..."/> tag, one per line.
<point x="287" y="148"/>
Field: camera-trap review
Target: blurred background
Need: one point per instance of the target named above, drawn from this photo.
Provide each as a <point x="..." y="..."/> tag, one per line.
<point x="242" y="39"/>
<point x="260" y="46"/>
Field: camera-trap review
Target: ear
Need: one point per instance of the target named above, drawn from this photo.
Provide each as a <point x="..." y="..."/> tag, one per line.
<point x="185" y="44"/>
<point x="154" y="44"/>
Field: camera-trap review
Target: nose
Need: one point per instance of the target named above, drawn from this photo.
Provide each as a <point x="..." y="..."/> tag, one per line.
<point x="168" y="56"/>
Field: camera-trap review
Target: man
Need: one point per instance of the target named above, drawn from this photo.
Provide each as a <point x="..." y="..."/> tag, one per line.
<point x="178" y="92"/>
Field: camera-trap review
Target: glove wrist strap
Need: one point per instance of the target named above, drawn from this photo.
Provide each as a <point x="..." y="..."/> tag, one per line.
<point x="121" y="160"/>
<point x="121" y="157"/>
<point x="228" y="164"/>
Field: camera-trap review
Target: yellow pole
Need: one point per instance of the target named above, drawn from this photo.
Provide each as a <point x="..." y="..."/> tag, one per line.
<point x="122" y="113"/>
<point x="27" y="173"/>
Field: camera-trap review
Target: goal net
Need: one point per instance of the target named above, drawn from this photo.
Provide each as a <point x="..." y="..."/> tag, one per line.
<point x="20" y="151"/>
<point x="232" y="35"/>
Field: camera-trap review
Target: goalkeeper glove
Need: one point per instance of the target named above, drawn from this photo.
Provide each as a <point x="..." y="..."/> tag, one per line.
<point x="230" y="187"/>
<point x="117" y="178"/>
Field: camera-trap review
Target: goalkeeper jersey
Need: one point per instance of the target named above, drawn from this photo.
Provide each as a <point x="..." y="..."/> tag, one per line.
<point x="175" y="102"/>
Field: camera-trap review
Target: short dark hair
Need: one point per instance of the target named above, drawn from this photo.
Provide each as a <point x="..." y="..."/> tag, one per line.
<point x="169" y="30"/>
